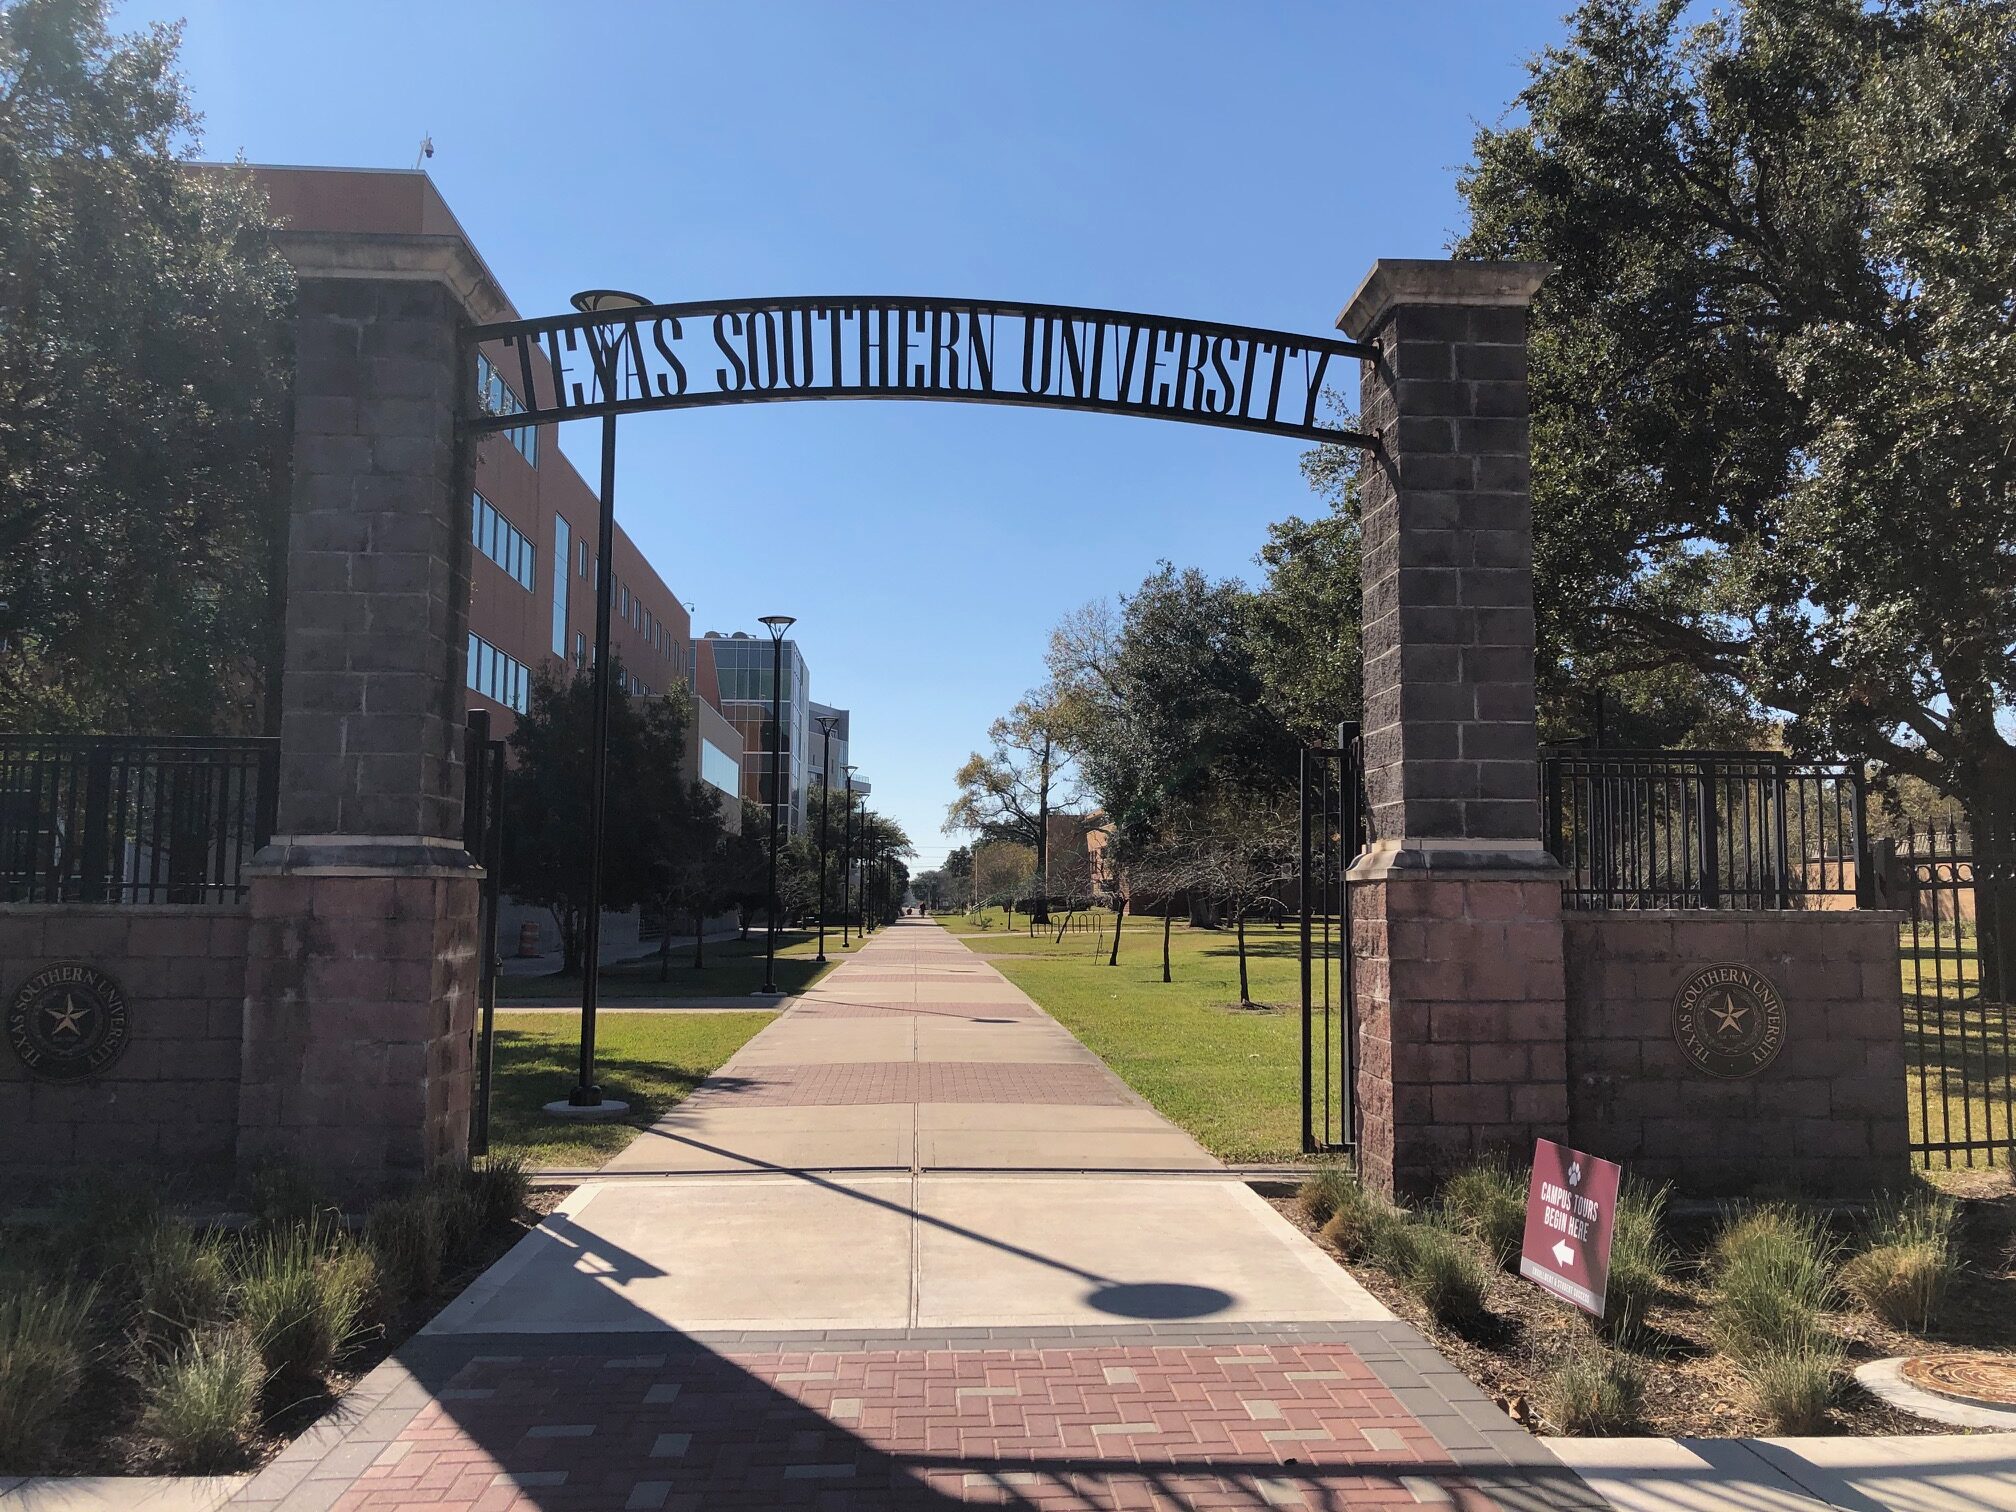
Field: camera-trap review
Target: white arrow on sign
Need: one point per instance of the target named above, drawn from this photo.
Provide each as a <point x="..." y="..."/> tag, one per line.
<point x="1563" y="1253"/>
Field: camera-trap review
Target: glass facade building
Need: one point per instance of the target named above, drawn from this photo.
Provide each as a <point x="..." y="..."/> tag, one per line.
<point x="743" y="666"/>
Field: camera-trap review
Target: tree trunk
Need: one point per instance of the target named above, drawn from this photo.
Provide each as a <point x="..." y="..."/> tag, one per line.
<point x="570" y="940"/>
<point x="1245" y="990"/>
<point x="1042" y="914"/>
<point x="699" y="938"/>
<point x="1119" y="917"/>
<point x="665" y="948"/>
<point x="1167" y="916"/>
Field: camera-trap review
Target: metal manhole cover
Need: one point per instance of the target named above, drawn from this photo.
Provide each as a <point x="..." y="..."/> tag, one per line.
<point x="1989" y="1379"/>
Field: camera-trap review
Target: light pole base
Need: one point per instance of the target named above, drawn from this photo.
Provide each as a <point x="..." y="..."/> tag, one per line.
<point x="606" y="1109"/>
<point x="769" y="992"/>
<point x="820" y="959"/>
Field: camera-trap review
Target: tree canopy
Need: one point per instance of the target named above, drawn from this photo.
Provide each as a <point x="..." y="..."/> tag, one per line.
<point x="1774" y="372"/>
<point x="144" y="370"/>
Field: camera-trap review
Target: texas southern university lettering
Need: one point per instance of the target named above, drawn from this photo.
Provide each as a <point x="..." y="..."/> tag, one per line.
<point x="687" y="356"/>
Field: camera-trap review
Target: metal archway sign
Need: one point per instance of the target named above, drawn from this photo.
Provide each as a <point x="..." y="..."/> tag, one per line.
<point x="753" y="351"/>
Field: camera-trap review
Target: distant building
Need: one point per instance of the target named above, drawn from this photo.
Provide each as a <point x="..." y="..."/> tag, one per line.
<point x="739" y="668"/>
<point x="815" y="751"/>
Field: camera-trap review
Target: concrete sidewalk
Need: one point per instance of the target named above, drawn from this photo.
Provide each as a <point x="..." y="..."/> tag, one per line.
<point x="1932" y="1473"/>
<point x="916" y="1247"/>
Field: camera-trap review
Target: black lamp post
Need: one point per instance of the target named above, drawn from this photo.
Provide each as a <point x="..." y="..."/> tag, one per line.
<point x="847" y="860"/>
<point x="586" y="1094"/>
<point x="776" y="624"/>
<point x="827" y="723"/>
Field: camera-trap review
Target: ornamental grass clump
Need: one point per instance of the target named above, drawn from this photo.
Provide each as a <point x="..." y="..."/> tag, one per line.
<point x="500" y="1185"/>
<point x="1487" y="1201"/>
<point x="1433" y="1263"/>
<point x="1594" y="1391"/>
<point x="45" y="1344"/>
<point x="1640" y="1259"/>
<point x="1773" y="1281"/>
<point x="1793" y="1388"/>
<point x="1357" y="1218"/>
<point x="1904" y="1274"/>
<point x="1324" y="1190"/>
<point x="301" y="1294"/>
<point x="408" y="1238"/>
<point x="200" y="1402"/>
<point x="181" y="1280"/>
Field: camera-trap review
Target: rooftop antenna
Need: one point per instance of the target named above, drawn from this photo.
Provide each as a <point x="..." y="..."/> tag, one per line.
<point x="426" y="149"/>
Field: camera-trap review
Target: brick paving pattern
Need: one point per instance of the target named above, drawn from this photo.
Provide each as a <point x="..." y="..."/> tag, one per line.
<point x="1224" y="1425"/>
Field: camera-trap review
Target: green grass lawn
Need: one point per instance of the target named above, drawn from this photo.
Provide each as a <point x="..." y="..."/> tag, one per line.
<point x="649" y="1060"/>
<point x="1231" y="1078"/>
<point x="732" y="968"/>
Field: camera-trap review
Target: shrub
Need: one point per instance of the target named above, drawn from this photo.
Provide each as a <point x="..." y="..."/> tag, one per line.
<point x="407" y="1237"/>
<point x="1324" y="1190"/>
<point x="201" y="1401"/>
<point x="1772" y="1284"/>
<point x="456" y="1210"/>
<point x="1487" y="1201"/>
<point x="1594" y="1391"/>
<point x="182" y="1281"/>
<point x="45" y="1341"/>
<point x="501" y="1185"/>
<point x="301" y="1295"/>
<point x="1639" y="1259"/>
<point x="1794" y="1387"/>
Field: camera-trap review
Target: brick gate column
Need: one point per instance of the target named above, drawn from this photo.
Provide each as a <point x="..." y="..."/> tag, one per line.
<point x="1457" y="904"/>
<point x="360" y="988"/>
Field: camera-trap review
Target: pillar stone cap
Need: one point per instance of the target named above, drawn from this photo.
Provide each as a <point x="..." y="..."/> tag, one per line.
<point x="399" y="257"/>
<point x="1437" y="281"/>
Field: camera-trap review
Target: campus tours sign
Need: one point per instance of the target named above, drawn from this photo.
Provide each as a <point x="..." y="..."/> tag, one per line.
<point x="1571" y="1204"/>
<point x="681" y="356"/>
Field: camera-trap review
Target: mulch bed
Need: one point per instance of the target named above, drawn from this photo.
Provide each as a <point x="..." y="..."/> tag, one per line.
<point x="1692" y="1392"/>
<point x="97" y="1440"/>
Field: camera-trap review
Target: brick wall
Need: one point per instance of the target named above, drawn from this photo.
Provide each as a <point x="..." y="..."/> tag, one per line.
<point x="170" y="1103"/>
<point x="1826" y="1117"/>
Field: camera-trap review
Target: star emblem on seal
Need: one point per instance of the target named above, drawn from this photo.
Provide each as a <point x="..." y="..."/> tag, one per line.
<point x="67" y="1021"/>
<point x="1729" y="1020"/>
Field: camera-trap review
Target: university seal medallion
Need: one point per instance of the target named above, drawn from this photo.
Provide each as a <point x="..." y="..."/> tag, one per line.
<point x="1729" y="1021"/>
<point x="67" y="1022"/>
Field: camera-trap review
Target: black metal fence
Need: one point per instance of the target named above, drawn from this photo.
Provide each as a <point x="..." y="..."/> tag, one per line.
<point x="132" y="818"/>
<point x="1958" y="895"/>
<point x="1704" y="829"/>
<point x="1332" y="834"/>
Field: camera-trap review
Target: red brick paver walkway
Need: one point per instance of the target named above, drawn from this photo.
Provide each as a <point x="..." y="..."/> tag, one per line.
<point x="1224" y="1425"/>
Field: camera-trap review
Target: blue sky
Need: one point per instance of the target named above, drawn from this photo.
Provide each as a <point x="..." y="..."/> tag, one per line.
<point x="1241" y="161"/>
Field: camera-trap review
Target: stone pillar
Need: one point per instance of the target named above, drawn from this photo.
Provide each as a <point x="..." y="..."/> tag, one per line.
<point x="1457" y="905"/>
<point x="360" y="987"/>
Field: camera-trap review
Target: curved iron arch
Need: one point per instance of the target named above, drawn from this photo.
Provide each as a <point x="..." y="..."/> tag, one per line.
<point x="748" y="351"/>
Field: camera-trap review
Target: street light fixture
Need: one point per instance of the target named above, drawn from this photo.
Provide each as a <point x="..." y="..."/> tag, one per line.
<point x="827" y="724"/>
<point x="586" y="1095"/>
<point x="847" y="859"/>
<point x="776" y="624"/>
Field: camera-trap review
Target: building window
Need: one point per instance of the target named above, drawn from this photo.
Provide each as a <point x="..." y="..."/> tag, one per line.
<point x="498" y="539"/>
<point x="581" y="647"/>
<point x="496" y="676"/>
<point x="622" y="602"/>
<point x="584" y="556"/>
<point x="560" y="555"/>
<point x="496" y="397"/>
<point x="718" y="769"/>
